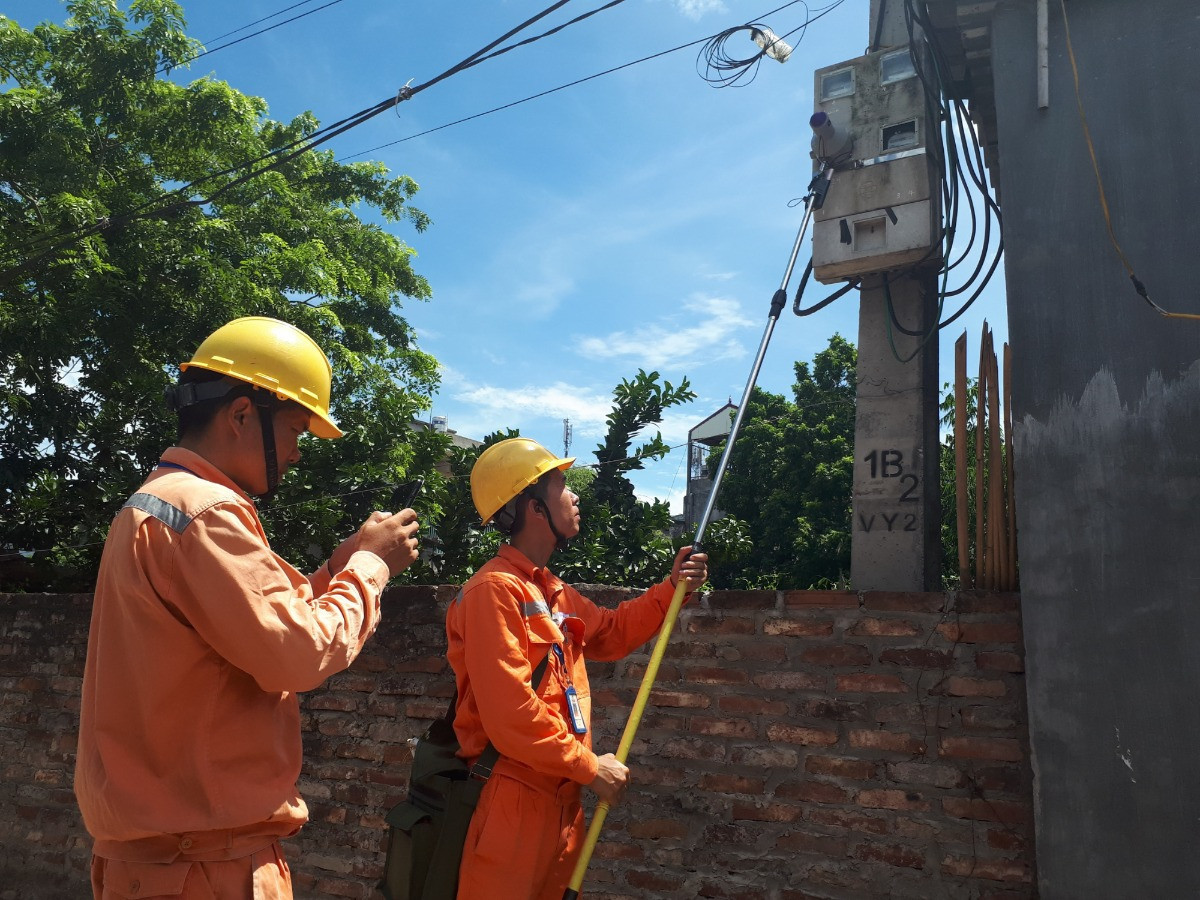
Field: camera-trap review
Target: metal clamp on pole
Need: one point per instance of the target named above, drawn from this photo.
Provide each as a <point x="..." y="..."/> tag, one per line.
<point x="778" y="300"/>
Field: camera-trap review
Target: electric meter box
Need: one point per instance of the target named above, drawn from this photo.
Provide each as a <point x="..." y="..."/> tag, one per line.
<point x="883" y="210"/>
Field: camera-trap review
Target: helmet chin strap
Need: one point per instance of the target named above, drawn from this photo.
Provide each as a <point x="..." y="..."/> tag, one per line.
<point x="266" y="417"/>
<point x="560" y="542"/>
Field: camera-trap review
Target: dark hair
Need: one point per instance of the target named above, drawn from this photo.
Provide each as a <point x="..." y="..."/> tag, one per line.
<point x="196" y="417"/>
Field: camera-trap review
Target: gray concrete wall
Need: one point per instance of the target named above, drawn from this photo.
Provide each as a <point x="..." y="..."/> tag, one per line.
<point x="1107" y="401"/>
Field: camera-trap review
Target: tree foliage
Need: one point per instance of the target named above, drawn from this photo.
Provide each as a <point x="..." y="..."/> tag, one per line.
<point x="790" y="480"/>
<point x="622" y="541"/>
<point x="108" y="281"/>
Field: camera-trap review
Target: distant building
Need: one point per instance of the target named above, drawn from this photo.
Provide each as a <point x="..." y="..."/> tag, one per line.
<point x="439" y="424"/>
<point x="701" y="439"/>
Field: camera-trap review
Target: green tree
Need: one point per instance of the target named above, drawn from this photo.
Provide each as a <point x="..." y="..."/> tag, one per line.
<point x="108" y="279"/>
<point x="623" y="540"/>
<point x="790" y="477"/>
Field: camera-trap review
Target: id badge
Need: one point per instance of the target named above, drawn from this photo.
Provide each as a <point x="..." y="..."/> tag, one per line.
<point x="577" y="722"/>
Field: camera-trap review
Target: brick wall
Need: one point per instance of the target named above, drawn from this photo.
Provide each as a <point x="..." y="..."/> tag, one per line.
<point x="797" y="744"/>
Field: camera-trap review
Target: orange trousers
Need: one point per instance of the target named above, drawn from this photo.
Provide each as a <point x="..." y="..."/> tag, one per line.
<point x="261" y="876"/>
<point x="523" y="842"/>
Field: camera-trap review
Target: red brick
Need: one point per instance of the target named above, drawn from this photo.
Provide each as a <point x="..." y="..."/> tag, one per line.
<point x="994" y="717"/>
<point x="980" y="809"/>
<point x="864" y="683"/>
<point x="657" y="829"/>
<point x="923" y="773"/>
<point x="958" y="686"/>
<point x="981" y="632"/>
<point x="736" y="728"/>
<point x="982" y="602"/>
<point x="701" y="624"/>
<point x="742" y="600"/>
<point x="764" y="757"/>
<point x="858" y="769"/>
<point x="712" y="675"/>
<point x="893" y="601"/>
<point x="835" y="709"/>
<point x="679" y="699"/>
<point x="808" y="842"/>
<point x="1004" y="749"/>
<point x="790" y="681"/>
<point x="1003" y="839"/>
<point x="732" y="784"/>
<point x="651" y="881"/>
<point x="794" y="628"/>
<point x="917" y="658"/>
<point x="795" y="734"/>
<point x="812" y="792"/>
<point x="887" y="740"/>
<point x="610" y="849"/>
<point x="418" y="709"/>
<point x="767" y="812"/>
<point x="837" y="655"/>
<point x="999" y="661"/>
<point x="694" y="749"/>
<point x="750" y="706"/>
<point x="886" y="798"/>
<point x="892" y="854"/>
<point x="992" y="869"/>
<point x="871" y="627"/>
<point x="833" y="599"/>
<point x="841" y="818"/>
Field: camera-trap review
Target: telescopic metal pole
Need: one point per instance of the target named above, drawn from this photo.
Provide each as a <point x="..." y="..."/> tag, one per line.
<point x="813" y="201"/>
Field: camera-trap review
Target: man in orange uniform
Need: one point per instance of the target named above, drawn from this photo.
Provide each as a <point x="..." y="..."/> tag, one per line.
<point x="529" y="828"/>
<point x="189" y="739"/>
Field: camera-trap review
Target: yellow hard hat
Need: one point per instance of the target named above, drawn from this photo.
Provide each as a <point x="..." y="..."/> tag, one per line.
<point x="505" y="469"/>
<point x="276" y="356"/>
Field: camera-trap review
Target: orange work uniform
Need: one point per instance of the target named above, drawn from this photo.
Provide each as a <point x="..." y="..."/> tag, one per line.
<point x="528" y="828"/>
<point x="189" y="737"/>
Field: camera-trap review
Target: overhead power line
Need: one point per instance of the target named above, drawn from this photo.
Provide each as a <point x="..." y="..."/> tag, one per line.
<point x="173" y="201"/>
<point x="579" y="81"/>
<point x="168" y="66"/>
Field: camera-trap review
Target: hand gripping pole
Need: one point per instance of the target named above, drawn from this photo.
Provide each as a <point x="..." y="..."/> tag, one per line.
<point x="817" y="189"/>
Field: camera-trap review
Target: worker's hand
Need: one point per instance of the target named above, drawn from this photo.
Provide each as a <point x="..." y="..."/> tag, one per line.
<point x="611" y="780"/>
<point x="391" y="537"/>
<point x="694" y="568"/>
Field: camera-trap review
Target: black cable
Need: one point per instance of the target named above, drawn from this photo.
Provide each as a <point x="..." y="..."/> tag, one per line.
<point x="817" y="307"/>
<point x="280" y="12"/>
<point x="724" y="70"/>
<point x="178" y="199"/>
<point x="540" y="94"/>
<point x="166" y="67"/>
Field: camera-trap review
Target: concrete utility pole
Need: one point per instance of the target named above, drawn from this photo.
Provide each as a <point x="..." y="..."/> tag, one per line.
<point x="895" y="541"/>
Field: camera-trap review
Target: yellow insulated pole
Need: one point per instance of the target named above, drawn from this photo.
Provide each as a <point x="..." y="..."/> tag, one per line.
<point x="631" y="727"/>
<point x="816" y="196"/>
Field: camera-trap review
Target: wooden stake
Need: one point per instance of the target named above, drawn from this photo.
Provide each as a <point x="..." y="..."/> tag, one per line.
<point x="1010" y="467"/>
<point x="980" y="500"/>
<point x="997" y="538"/>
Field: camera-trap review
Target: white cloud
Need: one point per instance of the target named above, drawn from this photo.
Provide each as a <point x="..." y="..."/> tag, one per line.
<point x="518" y="406"/>
<point x="695" y="9"/>
<point x="704" y="335"/>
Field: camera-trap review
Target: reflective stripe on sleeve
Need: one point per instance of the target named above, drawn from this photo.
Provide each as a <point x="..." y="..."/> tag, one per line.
<point x="171" y="516"/>
<point x="536" y="608"/>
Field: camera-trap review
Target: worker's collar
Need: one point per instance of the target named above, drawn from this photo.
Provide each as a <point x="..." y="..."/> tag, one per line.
<point x="549" y="583"/>
<point x="178" y="458"/>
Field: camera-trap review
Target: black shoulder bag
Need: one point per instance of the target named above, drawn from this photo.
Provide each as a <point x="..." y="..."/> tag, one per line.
<point x="427" y="830"/>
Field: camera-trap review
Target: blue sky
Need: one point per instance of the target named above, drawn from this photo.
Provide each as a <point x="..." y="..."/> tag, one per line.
<point x="639" y="220"/>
